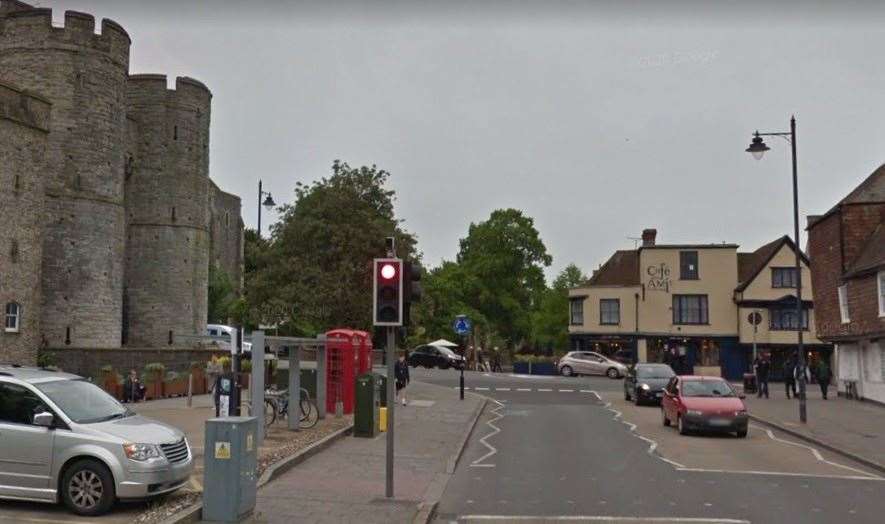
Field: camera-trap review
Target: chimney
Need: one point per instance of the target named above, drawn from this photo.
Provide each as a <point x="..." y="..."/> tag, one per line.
<point x="648" y="237"/>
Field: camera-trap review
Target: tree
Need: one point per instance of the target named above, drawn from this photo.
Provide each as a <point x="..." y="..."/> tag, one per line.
<point x="316" y="271"/>
<point x="221" y="295"/>
<point x="550" y="320"/>
<point x="502" y="259"/>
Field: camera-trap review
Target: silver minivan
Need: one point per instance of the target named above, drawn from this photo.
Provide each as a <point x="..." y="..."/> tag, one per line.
<point x="64" y="438"/>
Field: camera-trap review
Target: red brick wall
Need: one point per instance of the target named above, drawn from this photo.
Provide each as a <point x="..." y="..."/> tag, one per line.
<point x="825" y="252"/>
<point x="858" y="223"/>
<point x="863" y="306"/>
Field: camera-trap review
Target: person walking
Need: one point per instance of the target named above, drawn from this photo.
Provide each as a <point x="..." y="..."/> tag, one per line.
<point x="401" y="373"/>
<point x="496" y="361"/>
<point x="823" y="377"/>
<point x="800" y="371"/>
<point x="763" y="369"/>
<point x="480" y="362"/>
<point x="789" y="378"/>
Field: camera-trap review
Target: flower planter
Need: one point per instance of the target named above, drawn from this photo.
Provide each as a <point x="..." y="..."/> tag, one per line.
<point x="175" y="388"/>
<point x="521" y="368"/>
<point x="113" y="389"/>
<point x="543" y="368"/>
<point x="154" y="390"/>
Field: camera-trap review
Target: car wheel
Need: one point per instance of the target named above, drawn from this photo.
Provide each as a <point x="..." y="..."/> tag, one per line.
<point x="612" y="373"/>
<point x="88" y="488"/>
<point x="742" y="433"/>
<point x="636" y="399"/>
<point x="626" y="394"/>
<point x="566" y="371"/>
<point x="664" y="417"/>
<point x="444" y="365"/>
<point x="680" y="425"/>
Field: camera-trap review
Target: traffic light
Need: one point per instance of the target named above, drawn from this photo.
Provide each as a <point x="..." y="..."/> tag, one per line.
<point x="411" y="289"/>
<point x="387" y="296"/>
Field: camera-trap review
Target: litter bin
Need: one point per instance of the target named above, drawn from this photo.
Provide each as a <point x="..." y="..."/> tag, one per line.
<point x="749" y="383"/>
<point x="365" y="416"/>
<point x="231" y="464"/>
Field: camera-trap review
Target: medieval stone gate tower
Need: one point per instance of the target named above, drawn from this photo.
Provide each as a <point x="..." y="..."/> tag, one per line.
<point x="129" y="214"/>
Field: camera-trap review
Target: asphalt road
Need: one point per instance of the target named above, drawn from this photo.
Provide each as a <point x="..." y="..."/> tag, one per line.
<point x="561" y="448"/>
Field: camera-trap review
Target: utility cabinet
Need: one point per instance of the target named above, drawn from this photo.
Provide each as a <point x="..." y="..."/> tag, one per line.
<point x="365" y="416"/>
<point x="231" y="464"/>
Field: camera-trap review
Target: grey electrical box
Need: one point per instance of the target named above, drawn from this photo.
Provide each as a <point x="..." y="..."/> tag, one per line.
<point x="231" y="464"/>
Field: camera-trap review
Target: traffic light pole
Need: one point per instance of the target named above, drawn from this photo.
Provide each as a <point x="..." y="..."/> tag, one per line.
<point x="391" y="405"/>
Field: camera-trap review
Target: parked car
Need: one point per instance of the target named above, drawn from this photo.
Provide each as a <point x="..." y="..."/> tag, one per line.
<point x="589" y="363"/>
<point x="64" y="438"/>
<point x="624" y="356"/>
<point x="226" y="334"/>
<point x="704" y="403"/>
<point x="435" y="357"/>
<point x="646" y="382"/>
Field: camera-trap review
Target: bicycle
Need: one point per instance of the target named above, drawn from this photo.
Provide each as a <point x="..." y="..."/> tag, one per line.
<point x="276" y="404"/>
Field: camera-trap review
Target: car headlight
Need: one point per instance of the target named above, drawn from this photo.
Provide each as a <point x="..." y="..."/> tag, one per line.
<point x="644" y="387"/>
<point x="694" y="413"/>
<point x="141" y="452"/>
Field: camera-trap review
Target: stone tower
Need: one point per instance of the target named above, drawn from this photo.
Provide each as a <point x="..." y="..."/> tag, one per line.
<point x="24" y="130"/>
<point x="84" y="75"/>
<point x="168" y="210"/>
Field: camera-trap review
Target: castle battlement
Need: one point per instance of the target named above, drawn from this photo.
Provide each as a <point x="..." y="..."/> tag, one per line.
<point x="187" y="90"/>
<point x="24" y="25"/>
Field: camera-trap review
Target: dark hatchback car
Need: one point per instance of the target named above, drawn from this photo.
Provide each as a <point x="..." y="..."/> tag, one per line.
<point x="435" y="357"/>
<point x="646" y="383"/>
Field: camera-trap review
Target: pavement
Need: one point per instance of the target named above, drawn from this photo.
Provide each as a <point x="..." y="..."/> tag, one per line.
<point x="555" y="448"/>
<point x="346" y="482"/>
<point x="854" y="428"/>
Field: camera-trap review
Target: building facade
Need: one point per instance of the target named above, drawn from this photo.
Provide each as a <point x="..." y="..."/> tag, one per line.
<point x="847" y="249"/>
<point x="127" y="206"/>
<point x="682" y="304"/>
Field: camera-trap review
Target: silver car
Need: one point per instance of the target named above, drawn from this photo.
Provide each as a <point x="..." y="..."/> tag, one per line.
<point x="64" y="438"/>
<point x="590" y="363"/>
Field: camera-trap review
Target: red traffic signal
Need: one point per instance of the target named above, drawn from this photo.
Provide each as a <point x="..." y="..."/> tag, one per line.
<point x="388" y="271"/>
<point x="387" y="293"/>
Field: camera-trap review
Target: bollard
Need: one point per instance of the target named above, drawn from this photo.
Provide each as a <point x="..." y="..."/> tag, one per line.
<point x="256" y="382"/>
<point x="294" y="388"/>
<point x="190" y="389"/>
<point x="230" y="469"/>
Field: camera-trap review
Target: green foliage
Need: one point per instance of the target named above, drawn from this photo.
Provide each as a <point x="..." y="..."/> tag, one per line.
<point x="550" y="318"/>
<point x="315" y="271"/>
<point x="45" y="360"/>
<point x="221" y="295"/>
<point x="534" y="359"/>
<point x="246" y="366"/>
<point x="155" y="371"/>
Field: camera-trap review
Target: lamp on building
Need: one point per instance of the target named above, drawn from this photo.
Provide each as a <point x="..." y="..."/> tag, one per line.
<point x="757" y="149"/>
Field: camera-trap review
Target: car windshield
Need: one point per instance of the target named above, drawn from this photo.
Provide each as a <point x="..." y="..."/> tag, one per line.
<point x="82" y="401"/>
<point x="706" y="388"/>
<point x="445" y="350"/>
<point x="654" y="372"/>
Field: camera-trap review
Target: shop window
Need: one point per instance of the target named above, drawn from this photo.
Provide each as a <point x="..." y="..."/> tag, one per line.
<point x="785" y="319"/>
<point x="609" y="311"/>
<point x="843" y="303"/>
<point x="13" y="317"/>
<point x="688" y="265"/>
<point x="708" y="353"/>
<point x="576" y="306"/>
<point x="690" y="309"/>
<point x="783" y="277"/>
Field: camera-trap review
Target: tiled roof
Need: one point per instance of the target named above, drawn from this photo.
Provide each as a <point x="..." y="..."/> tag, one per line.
<point x="869" y="191"/>
<point x="622" y="269"/>
<point x="873" y="254"/>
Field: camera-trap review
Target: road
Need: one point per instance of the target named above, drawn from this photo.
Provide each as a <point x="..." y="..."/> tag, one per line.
<point x="563" y="448"/>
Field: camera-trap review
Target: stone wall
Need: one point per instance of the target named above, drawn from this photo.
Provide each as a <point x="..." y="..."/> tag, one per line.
<point x="24" y="126"/>
<point x="87" y="362"/>
<point x="226" y="232"/>
<point x="84" y="76"/>
<point x="168" y="210"/>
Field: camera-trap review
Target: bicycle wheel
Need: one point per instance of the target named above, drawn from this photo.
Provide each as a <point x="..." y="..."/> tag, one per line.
<point x="270" y="411"/>
<point x="309" y="414"/>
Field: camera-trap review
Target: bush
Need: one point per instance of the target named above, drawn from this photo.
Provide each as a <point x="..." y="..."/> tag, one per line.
<point x="534" y="359"/>
<point x="155" y="371"/>
<point x="45" y="360"/>
<point x="246" y="366"/>
<point x="172" y="376"/>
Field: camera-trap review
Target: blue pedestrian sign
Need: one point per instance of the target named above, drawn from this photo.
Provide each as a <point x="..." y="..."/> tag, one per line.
<point x="462" y="325"/>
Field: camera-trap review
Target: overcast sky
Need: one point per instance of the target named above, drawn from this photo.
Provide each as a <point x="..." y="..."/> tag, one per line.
<point x="597" y="119"/>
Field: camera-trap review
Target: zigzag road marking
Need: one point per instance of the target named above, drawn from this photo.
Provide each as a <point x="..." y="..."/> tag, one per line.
<point x="480" y="462"/>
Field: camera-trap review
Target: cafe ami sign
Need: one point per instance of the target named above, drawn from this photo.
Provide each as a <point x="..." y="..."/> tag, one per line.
<point x="659" y="278"/>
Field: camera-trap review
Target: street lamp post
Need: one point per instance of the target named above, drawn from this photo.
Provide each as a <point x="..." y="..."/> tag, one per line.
<point x="757" y="149"/>
<point x="267" y="204"/>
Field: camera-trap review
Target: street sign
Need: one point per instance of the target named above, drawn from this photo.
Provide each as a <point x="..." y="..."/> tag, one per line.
<point x="462" y="325"/>
<point x="755" y="318"/>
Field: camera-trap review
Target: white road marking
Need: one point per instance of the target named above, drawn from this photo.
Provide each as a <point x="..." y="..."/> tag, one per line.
<point x="480" y="389"/>
<point x="587" y="391"/>
<point x="652" y="445"/>
<point x="566" y="390"/>
<point x="502" y="389"/>
<point x="479" y="463"/>
<point x="546" y="390"/>
<point x="523" y="389"/>
<point x="599" y="518"/>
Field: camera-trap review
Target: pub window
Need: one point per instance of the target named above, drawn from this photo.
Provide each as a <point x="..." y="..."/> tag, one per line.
<point x="688" y="265"/>
<point x="690" y="309"/>
<point x="783" y="277"/>
<point x="13" y="317"/>
<point x="609" y="311"/>
<point x="785" y="319"/>
<point x="843" y="303"/>
<point x="881" y="279"/>
<point x="576" y="306"/>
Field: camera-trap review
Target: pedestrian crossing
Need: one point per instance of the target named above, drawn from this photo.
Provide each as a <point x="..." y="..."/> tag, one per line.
<point x="526" y="390"/>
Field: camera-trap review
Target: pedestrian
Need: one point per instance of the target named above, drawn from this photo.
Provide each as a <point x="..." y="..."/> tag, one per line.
<point x="480" y="362"/>
<point x="133" y="389"/>
<point x="823" y="377"/>
<point x="763" y="369"/>
<point x="496" y="361"/>
<point x="801" y="371"/>
<point x="789" y="379"/>
<point x="401" y="373"/>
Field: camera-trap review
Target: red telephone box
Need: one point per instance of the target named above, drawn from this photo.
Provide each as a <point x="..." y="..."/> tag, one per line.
<point x="342" y="365"/>
<point x="365" y="352"/>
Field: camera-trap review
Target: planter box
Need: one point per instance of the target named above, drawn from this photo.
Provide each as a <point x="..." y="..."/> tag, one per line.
<point x="114" y="390"/>
<point x="175" y="388"/>
<point x="543" y="368"/>
<point x="153" y="390"/>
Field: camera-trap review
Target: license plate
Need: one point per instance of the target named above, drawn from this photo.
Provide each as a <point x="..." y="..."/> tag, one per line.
<point x="659" y="394"/>
<point x="719" y="422"/>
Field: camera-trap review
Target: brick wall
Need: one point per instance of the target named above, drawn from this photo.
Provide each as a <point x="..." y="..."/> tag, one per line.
<point x="858" y="223"/>
<point x="88" y="362"/>
<point x="825" y="252"/>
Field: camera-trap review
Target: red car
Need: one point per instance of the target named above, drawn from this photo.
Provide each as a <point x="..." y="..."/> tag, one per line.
<point x="704" y="403"/>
